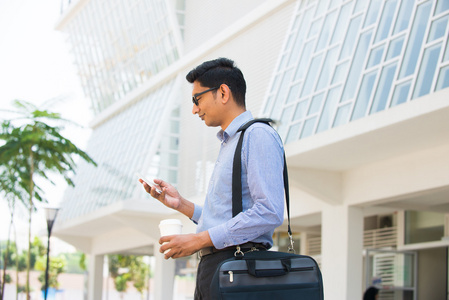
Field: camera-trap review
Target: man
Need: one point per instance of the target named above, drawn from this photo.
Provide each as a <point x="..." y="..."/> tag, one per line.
<point x="372" y="293"/>
<point x="219" y="100"/>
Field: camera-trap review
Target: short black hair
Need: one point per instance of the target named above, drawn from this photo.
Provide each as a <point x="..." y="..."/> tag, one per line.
<point x="370" y="293"/>
<point x="215" y="72"/>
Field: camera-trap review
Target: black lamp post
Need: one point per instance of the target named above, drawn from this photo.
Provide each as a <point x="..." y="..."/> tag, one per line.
<point x="50" y="215"/>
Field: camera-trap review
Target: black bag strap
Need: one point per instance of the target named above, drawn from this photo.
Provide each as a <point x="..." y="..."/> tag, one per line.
<point x="237" y="206"/>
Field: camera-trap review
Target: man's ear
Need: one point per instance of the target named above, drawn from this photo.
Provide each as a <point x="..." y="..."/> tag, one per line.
<point x="225" y="93"/>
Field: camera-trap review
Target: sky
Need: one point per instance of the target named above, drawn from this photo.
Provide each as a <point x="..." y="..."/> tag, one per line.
<point x="36" y="66"/>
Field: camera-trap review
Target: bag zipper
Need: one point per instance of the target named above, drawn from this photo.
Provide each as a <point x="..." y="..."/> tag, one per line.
<point x="231" y="273"/>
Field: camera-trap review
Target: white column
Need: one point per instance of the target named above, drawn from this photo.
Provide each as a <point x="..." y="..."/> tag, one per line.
<point x="342" y="259"/>
<point x="95" y="280"/>
<point x="400" y="228"/>
<point x="303" y="244"/>
<point x="164" y="278"/>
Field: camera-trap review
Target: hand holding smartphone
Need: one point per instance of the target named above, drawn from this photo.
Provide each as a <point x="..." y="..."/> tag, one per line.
<point x="149" y="183"/>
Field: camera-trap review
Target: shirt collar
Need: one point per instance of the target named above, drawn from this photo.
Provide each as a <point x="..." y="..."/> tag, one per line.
<point x="231" y="130"/>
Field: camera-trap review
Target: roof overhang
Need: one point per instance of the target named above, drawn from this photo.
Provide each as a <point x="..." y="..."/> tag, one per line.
<point x="317" y="164"/>
<point x="127" y="227"/>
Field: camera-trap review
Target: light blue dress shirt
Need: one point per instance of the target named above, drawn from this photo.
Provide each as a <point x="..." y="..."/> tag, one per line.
<point x="262" y="187"/>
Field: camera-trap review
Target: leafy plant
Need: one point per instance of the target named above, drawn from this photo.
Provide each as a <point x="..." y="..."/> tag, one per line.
<point x="57" y="266"/>
<point x="128" y="268"/>
<point x="32" y="146"/>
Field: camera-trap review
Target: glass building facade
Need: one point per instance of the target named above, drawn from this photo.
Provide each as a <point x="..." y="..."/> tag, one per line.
<point x="345" y="60"/>
<point x="121" y="153"/>
<point x="119" y="45"/>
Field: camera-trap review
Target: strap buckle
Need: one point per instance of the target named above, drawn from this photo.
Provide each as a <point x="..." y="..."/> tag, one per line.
<point x="239" y="252"/>
<point x="291" y="248"/>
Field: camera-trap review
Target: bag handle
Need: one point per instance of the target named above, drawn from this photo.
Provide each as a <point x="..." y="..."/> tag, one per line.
<point x="237" y="205"/>
<point x="286" y="265"/>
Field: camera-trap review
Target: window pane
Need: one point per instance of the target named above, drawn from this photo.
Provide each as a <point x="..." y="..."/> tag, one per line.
<point x="438" y="28"/>
<point x="321" y="7"/>
<point x="309" y="127"/>
<point x="293" y="133"/>
<point x="314" y="28"/>
<point x="423" y="226"/>
<point x="329" y="109"/>
<point x="373" y="12"/>
<point x="342" y="116"/>
<point x="395" y="47"/>
<point x="386" y="20"/>
<point x="427" y="71"/>
<point x="173" y="160"/>
<point x="340" y="72"/>
<point x="383" y="88"/>
<point x="357" y="66"/>
<point x="303" y="63"/>
<point x="342" y="23"/>
<point x="416" y="38"/>
<point x="351" y="37"/>
<point x="174" y="141"/>
<point x="285" y="120"/>
<point x="172" y="176"/>
<point x="443" y="78"/>
<point x="277" y="109"/>
<point x="294" y="93"/>
<point x="364" y="95"/>
<point x="401" y="93"/>
<point x="301" y="110"/>
<point x="360" y="5"/>
<point x="326" y="70"/>
<point x="442" y="5"/>
<point x="376" y="56"/>
<point x="283" y="62"/>
<point x="312" y="75"/>
<point x="299" y="43"/>
<point x="267" y="108"/>
<point x="276" y="83"/>
<point x="283" y="89"/>
<point x="315" y="106"/>
<point x="326" y="30"/>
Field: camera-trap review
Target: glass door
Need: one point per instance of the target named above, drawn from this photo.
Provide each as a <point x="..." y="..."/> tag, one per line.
<point x="394" y="273"/>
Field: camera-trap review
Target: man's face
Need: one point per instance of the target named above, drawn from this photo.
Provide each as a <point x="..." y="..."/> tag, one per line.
<point x="209" y="105"/>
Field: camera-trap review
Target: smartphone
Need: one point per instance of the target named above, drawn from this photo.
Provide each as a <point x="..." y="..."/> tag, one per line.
<point x="150" y="183"/>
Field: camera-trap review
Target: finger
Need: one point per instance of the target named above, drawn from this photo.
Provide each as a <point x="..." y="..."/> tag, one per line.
<point x="155" y="194"/>
<point x="166" y="251"/>
<point x="158" y="181"/>
<point x="145" y="186"/>
<point x="164" y="239"/>
<point x="168" y="254"/>
<point x="161" y="196"/>
<point x="163" y="248"/>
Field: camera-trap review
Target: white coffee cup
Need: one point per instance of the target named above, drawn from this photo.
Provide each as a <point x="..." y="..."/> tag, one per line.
<point x="170" y="227"/>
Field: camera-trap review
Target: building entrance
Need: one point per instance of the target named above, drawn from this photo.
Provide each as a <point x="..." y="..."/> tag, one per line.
<point x="394" y="273"/>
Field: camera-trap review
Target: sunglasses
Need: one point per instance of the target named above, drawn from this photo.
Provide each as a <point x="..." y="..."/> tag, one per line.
<point x="195" y="97"/>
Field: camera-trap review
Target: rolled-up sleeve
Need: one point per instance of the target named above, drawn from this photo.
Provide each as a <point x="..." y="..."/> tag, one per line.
<point x="196" y="213"/>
